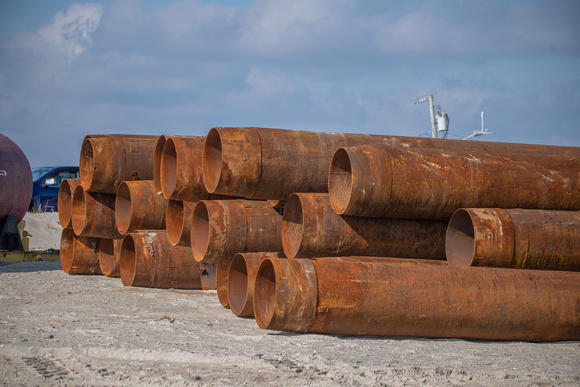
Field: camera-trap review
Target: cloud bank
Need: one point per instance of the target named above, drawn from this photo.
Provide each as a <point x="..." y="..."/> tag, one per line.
<point x="325" y="65"/>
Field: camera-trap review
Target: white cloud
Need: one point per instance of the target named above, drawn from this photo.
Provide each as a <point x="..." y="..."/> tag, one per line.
<point x="72" y="31"/>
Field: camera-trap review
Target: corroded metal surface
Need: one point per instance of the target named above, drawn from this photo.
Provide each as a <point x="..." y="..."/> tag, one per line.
<point x="110" y="256"/>
<point x="242" y="277"/>
<point x="178" y="222"/>
<point x="138" y="207"/>
<point x="413" y="298"/>
<point x="271" y="164"/>
<point x="311" y="228"/>
<point x="106" y="161"/>
<point x="79" y="255"/>
<point x="15" y="180"/>
<point x="222" y="271"/>
<point x="180" y="169"/>
<point x="149" y="260"/>
<point x="525" y="239"/>
<point x="433" y="184"/>
<point x="65" y="196"/>
<point x="93" y="214"/>
<point x="222" y="228"/>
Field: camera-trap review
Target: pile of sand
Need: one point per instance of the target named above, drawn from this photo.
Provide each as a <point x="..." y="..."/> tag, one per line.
<point x="44" y="230"/>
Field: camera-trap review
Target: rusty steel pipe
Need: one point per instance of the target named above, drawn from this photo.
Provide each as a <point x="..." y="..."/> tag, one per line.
<point x="271" y="164"/>
<point x="110" y="256"/>
<point x="157" y="162"/>
<point x="222" y="228"/>
<point x="208" y="276"/>
<point x="178" y="222"/>
<point x="358" y="297"/>
<point x="107" y="161"/>
<point x="65" y="196"/>
<point x="79" y="255"/>
<point x="149" y="260"/>
<point x="93" y="214"/>
<point x="311" y="228"/>
<point x="431" y="184"/>
<point x="137" y="206"/>
<point x="241" y="280"/>
<point x="516" y="238"/>
<point x="181" y="173"/>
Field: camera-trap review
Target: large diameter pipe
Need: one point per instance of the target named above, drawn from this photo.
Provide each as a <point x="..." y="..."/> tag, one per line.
<point x="222" y="228"/>
<point x="93" y="214"/>
<point x="110" y="256"/>
<point x="149" y="260"/>
<point x="137" y="206"/>
<point x="178" y="222"/>
<point x="15" y="180"/>
<point x="241" y="280"/>
<point x="222" y="272"/>
<point x="107" y="161"/>
<point x="431" y="184"/>
<point x="65" y="196"/>
<point x="341" y="297"/>
<point x="516" y="238"/>
<point x="79" y="255"/>
<point x="311" y="228"/>
<point x="261" y="163"/>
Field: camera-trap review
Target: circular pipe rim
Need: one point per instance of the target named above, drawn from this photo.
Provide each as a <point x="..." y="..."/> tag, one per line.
<point x="460" y="239"/>
<point x="238" y="284"/>
<point x="265" y="294"/>
<point x="123" y="208"/>
<point x="79" y="210"/>
<point x="174" y="220"/>
<point x="200" y="231"/>
<point x="292" y="226"/>
<point x="107" y="255"/>
<point x="86" y="163"/>
<point x="128" y="260"/>
<point x="168" y="169"/>
<point x="212" y="160"/>
<point x="340" y="180"/>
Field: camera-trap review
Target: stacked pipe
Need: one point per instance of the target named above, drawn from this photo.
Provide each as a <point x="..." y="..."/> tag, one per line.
<point x="379" y="231"/>
<point x="114" y="220"/>
<point x="385" y="198"/>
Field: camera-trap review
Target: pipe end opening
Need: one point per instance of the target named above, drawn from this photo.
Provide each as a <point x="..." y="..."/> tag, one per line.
<point x="265" y="294"/>
<point x="212" y="160"/>
<point x="292" y="226"/>
<point x="123" y="208"/>
<point x="200" y="231"/>
<point x="127" y="261"/>
<point x="460" y="239"/>
<point x="238" y="284"/>
<point x="65" y="195"/>
<point x="107" y="256"/>
<point x="174" y="220"/>
<point x="340" y="181"/>
<point x="67" y="249"/>
<point x="78" y="212"/>
<point x="86" y="163"/>
<point x="168" y="169"/>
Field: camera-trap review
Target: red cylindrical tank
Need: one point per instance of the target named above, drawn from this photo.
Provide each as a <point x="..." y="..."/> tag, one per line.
<point x="15" y="180"/>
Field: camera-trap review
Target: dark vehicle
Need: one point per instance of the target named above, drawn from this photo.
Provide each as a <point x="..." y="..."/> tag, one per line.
<point x="46" y="185"/>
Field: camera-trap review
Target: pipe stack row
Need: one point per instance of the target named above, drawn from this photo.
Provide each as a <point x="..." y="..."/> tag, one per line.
<point x="379" y="234"/>
<point x="114" y="220"/>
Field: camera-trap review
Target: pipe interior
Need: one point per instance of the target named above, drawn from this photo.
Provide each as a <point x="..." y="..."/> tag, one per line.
<point x="265" y="294"/>
<point x="208" y="276"/>
<point x="200" y="231"/>
<point x="123" y="208"/>
<point x="340" y="180"/>
<point x="238" y="284"/>
<point x="212" y="160"/>
<point x="86" y="163"/>
<point x="107" y="255"/>
<point x="460" y="239"/>
<point x="64" y="203"/>
<point x="127" y="264"/>
<point x="78" y="213"/>
<point x="157" y="164"/>
<point x="168" y="169"/>
<point x="292" y="226"/>
<point x="174" y="220"/>
<point x="67" y="249"/>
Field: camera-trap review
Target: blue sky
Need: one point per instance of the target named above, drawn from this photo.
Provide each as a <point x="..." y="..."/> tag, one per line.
<point x="69" y="68"/>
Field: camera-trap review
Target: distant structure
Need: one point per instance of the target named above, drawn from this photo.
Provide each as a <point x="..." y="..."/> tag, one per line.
<point x="440" y="120"/>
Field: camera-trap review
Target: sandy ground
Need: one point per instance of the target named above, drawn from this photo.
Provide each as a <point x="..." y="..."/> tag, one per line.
<point x="69" y="329"/>
<point x="44" y="229"/>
